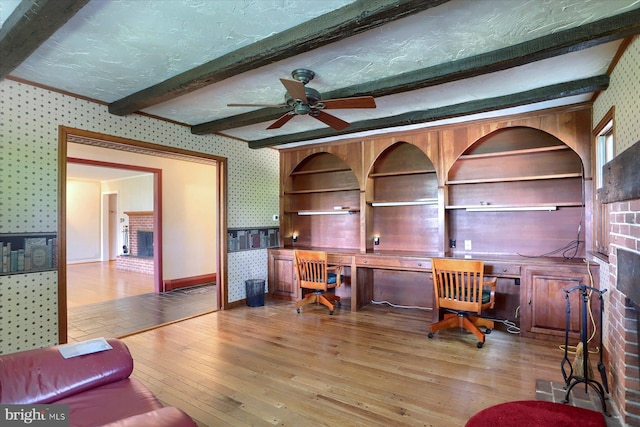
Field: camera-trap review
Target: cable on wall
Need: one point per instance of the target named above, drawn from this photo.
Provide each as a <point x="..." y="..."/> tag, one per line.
<point x="574" y="244"/>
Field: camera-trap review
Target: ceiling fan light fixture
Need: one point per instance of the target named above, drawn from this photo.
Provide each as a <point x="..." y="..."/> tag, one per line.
<point x="301" y="108"/>
<point x="303" y="100"/>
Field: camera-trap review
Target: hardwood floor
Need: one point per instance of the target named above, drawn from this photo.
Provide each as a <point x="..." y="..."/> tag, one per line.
<point x="105" y="302"/>
<point x="265" y="366"/>
<point x="94" y="282"/>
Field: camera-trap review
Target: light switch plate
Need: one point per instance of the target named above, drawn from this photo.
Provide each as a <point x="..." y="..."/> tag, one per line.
<point x="467" y="245"/>
<point x="276" y="217"/>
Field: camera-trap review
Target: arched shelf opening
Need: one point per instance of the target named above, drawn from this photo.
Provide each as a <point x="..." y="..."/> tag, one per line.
<point x="402" y="189"/>
<point x="519" y="189"/>
<point x="321" y="195"/>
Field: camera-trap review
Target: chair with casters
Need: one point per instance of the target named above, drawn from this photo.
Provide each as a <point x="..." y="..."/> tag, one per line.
<point x="460" y="288"/>
<point x="312" y="272"/>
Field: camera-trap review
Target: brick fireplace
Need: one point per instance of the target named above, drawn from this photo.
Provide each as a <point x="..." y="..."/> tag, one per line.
<point x="622" y="193"/>
<point x="622" y="345"/>
<point x="140" y="258"/>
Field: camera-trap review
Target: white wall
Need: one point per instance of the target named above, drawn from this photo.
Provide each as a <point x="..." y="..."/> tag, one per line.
<point x="83" y="220"/>
<point x="134" y="194"/>
<point x="188" y="206"/>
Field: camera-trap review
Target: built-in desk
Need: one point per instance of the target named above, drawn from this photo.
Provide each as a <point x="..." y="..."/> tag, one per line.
<point x="530" y="290"/>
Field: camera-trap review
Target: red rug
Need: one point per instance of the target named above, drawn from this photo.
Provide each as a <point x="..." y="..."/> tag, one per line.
<point x="536" y="413"/>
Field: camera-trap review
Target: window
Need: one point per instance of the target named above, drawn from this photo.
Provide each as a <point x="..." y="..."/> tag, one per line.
<point x="604" y="152"/>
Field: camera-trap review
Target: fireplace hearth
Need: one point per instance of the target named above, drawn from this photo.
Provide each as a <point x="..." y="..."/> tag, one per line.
<point x="141" y="249"/>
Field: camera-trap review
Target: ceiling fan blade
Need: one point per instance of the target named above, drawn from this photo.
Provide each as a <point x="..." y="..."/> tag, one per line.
<point x="295" y="89"/>
<point x="333" y="121"/>
<point x="281" y="121"/>
<point x="257" y="105"/>
<point x="356" y="102"/>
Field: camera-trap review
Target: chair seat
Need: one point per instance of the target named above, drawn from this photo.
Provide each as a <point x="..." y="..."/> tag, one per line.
<point x="332" y="278"/>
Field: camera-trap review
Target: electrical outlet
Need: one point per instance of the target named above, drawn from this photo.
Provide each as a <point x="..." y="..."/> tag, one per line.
<point x="276" y="217"/>
<point x="467" y="245"/>
<point x="452" y="243"/>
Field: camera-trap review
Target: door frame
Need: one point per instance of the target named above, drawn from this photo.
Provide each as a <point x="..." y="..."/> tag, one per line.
<point x="66" y="134"/>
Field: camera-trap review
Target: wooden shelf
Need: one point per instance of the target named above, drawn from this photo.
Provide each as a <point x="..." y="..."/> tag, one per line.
<point x="328" y="212"/>
<point x="322" y="190"/>
<point x="385" y="203"/>
<point x="514" y="152"/>
<point x="327" y="170"/>
<point x="517" y="207"/>
<point x="400" y="173"/>
<point x="516" y="178"/>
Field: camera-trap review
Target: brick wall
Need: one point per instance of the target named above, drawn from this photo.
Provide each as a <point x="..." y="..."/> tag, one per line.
<point x="132" y="262"/>
<point x="622" y="337"/>
<point x="138" y="223"/>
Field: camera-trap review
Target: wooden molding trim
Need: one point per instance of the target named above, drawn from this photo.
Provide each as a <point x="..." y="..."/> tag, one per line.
<point x="139" y="213"/>
<point x="184" y="282"/>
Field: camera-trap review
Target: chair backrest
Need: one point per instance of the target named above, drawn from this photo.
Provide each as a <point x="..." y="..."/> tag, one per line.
<point x="311" y="269"/>
<point x="458" y="284"/>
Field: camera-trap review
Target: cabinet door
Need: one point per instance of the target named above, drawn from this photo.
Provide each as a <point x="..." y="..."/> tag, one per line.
<point x="544" y="302"/>
<point x="282" y="281"/>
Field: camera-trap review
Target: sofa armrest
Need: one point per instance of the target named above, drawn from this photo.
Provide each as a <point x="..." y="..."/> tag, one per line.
<point x="44" y="376"/>
<point x="164" y="417"/>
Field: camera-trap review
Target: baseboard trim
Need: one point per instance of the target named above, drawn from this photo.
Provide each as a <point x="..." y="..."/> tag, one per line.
<point x="169" y="285"/>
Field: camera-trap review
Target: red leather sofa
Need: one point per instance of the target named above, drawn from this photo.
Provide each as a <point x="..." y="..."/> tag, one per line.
<point x="96" y="386"/>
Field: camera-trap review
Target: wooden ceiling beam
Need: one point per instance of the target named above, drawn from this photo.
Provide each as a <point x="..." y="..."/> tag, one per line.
<point x="561" y="90"/>
<point x="570" y="40"/>
<point x="352" y="19"/>
<point x="31" y="24"/>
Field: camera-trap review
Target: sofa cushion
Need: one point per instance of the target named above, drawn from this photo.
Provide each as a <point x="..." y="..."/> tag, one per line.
<point x="110" y="403"/>
<point x="168" y="416"/>
<point x="44" y="376"/>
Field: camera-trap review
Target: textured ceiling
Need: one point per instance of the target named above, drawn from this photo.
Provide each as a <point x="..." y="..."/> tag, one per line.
<point x="112" y="49"/>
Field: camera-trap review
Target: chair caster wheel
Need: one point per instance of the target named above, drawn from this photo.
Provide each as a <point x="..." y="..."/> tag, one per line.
<point x="298" y="309"/>
<point x="331" y="313"/>
<point x="487" y="332"/>
<point x="430" y="334"/>
<point x="339" y="304"/>
<point x="480" y="344"/>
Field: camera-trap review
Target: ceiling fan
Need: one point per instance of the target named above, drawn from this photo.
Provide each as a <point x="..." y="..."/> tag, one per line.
<point x="304" y="100"/>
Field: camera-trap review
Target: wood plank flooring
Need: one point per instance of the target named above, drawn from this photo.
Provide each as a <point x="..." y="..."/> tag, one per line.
<point x="265" y="366"/>
<point x="93" y="282"/>
<point x="106" y="302"/>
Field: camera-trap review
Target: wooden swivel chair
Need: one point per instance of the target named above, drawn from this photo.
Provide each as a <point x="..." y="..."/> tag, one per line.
<point x="459" y="288"/>
<point x="313" y="273"/>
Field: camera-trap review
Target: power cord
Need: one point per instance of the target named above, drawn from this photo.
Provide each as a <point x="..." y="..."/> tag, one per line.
<point x="401" y="306"/>
<point x="512" y="328"/>
<point x="573" y="348"/>
<point x="573" y="245"/>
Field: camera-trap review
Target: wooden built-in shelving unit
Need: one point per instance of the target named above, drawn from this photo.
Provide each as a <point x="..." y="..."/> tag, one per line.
<point x="514" y="189"/>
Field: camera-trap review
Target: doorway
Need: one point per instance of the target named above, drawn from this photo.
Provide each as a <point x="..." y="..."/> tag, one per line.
<point x="110" y="202"/>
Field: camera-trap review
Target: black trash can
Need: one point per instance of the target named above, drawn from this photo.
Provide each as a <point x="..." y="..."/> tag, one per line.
<point x="255" y="292"/>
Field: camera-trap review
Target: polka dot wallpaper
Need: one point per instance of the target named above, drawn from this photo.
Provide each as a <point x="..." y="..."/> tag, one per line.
<point x="623" y="94"/>
<point x="28" y="311"/>
<point x="29" y="121"/>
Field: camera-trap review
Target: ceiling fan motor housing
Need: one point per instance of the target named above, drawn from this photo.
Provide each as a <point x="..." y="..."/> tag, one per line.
<point x="313" y="97"/>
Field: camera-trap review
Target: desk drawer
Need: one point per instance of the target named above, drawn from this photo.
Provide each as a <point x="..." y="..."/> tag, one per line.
<point x="339" y="259"/>
<point x="491" y="269"/>
<point x="392" y="262"/>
